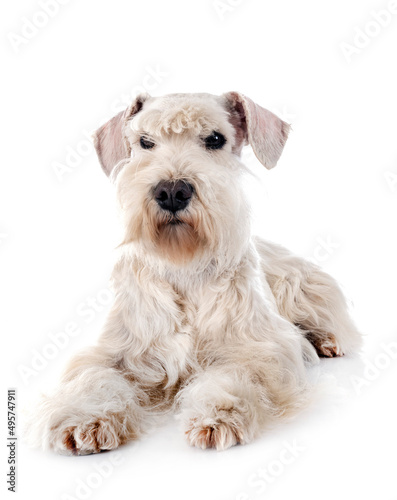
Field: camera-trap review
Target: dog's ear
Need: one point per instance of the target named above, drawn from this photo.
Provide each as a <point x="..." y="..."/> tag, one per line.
<point x="110" y="141"/>
<point x="263" y="130"/>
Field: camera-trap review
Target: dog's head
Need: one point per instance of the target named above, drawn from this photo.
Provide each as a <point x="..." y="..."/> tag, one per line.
<point x="175" y="160"/>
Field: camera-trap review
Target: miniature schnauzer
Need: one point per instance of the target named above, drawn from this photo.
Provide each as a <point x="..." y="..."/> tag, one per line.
<point x="208" y="320"/>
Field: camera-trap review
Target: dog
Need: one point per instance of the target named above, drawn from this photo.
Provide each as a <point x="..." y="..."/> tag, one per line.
<point x="208" y="321"/>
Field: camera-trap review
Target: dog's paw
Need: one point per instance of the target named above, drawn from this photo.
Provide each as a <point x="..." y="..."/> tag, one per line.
<point x="328" y="347"/>
<point x="85" y="439"/>
<point x="214" y="433"/>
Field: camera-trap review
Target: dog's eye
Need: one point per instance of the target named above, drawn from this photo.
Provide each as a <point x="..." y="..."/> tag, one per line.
<point x="146" y="143"/>
<point x="215" y="141"/>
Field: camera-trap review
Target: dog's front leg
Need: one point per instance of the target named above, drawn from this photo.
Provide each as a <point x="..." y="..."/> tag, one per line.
<point x="111" y="393"/>
<point x="253" y="368"/>
<point x="245" y="389"/>
<point x="96" y="409"/>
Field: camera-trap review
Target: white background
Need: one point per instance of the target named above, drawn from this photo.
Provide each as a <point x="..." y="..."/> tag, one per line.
<point x="336" y="182"/>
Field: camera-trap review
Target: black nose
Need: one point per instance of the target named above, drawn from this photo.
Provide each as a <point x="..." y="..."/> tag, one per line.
<point x="173" y="196"/>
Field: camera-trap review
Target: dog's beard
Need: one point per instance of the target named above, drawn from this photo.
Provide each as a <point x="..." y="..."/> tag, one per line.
<point x="177" y="237"/>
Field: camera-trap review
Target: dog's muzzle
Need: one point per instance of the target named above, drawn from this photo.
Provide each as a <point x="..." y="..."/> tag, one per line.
<point x="173" y="196"/>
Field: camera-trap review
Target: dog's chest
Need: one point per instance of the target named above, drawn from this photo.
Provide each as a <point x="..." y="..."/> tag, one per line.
<point x="209" y="310"/>
<point x="230" y="307"/>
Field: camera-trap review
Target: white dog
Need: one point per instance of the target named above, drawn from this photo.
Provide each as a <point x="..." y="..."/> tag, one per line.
<point x="207" y="319"/>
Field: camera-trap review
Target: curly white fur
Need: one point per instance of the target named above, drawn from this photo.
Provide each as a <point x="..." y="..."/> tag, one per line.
<point x="207" y="319"/>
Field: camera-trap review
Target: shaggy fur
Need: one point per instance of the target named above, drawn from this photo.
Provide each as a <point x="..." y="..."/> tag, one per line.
<point x="207" y="319"/>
